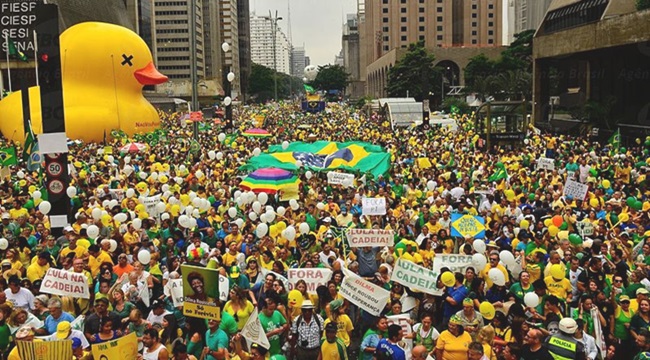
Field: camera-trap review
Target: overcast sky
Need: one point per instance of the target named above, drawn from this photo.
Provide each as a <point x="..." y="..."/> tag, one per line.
<point x="315" y="23"/>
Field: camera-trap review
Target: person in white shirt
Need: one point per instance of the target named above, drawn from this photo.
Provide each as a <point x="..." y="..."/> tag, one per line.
<point x="157" y="313"/>
<point x="64" y="331"/>
<point x="20" y="297"/>
<point x="591" y="350"/>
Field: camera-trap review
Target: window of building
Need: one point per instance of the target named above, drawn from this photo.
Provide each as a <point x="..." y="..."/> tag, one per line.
<point x="403" y="38"/>
<point x="439" y="19"/>
<point x="421" y="37"/>
<point x="403" y="1"/>
<point x="490" y="41"/>
<point x="474" y="6"/>
<point x="474" y="32"/>
<point x="491" y="24"/>
<point x="385" y="38"/>
<point x="474" y="15"/>
<point x="421" y="19"/>
<point x="384" y="20"/>
<point x="385" y="47"/>
<point x="490" y="32"/>
<point x="491" y="6"/>
<point x="421" y="10"/>
<point x="421" y="28"/>
<point x="474" y="24"/>
<point x="474" y="42"/>
<point x="439" y="9"/>
<point x="385" y="29"/>
<point x="403" y="29"/>
<point x="421" y="1"/>
<point x="384" y="10"/>
<point x="439" y="37"/>
<point x="402" y="10"/>
<point x="385" y="1"/>
<point x="403" y="19"/>
<point x="491" y="15"/>
<point x="439" y="28"/>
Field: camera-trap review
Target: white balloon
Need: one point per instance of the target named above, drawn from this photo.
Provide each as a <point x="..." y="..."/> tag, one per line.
<point x="128" y="170"/>
<point x="221" y="137"/>
<point x="270" y="216"/>
<point x="127" y="159"/>
<point x="320" y="206"/>
<point x="36" y="195"/>
<point x="310" y="72"/>
<point x="172" y="200"/>
<point x="142" y="175"/>
<point x="252" y="215"/>
<point x="257" y="207"/>
<point x="269" y="209"/>
<point x="130" y="193"/>
<point x="219" y="155"/>
<point x="308" y="174"/>
<point x="111" y="159"/>
<point x="4" y="244"/>
<point x="232" y="212"/>
<point x="531" y="299"/>
<point x="237" y="194"/>
<point x="179" y="180"/>
<point x="184" y="221"/>
<point x="97" y="212"/>
<point x="290" y="233"/>
<point x="240" y="201"/>
<point x="230" y="77"/>
<point x="92" y="231"/>
<point x="20" y="174"/>
<point x="137" y="223"/>
<point x="225" y="47"/>
<point x="257" y="151"/>
<point x="113" y="246"/>
<point x="431" y="185"/>
<point x="199" y="174"/>
<point x="262" y="198"/>
<point x="160" y="207"/>
<point x="144" y="257"/>
<point x="154" y="176"/>
<point x="195" y="213"/>
<point x="227" y="101"/>
<point x="261" y="230"/>
<point x="479" y="246"/>
<point x="196" y="202"/>
<point x="164" y="216"/>
<point x="189" y="209"/>
<point x="212" y="154"/>
<point x="239" y="222"/>
<point x="479" y="261"/>
<point x="285" y="145"/>
<point x="105" y="204"/>
<point x="121" y="217"/>
<point x="507" y="258"/>
<point x="192" y="223"/>
<point x="71" y="191"/>
<point x="294" y="204"/>
<point x="497" y="277"/>
<point x="304" y="228"/>
<point x="45" y="207"/>
<point x="281" y="210"/>
<point x="263" y="218"/>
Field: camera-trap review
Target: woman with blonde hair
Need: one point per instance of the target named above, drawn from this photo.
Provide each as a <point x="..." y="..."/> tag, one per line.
<point x="485" y="336"/>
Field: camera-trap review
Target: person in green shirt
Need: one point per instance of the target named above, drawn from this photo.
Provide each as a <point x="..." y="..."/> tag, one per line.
<point x="273" y="323"/>
<point x="523" y="287"/>
<point x="216" y="341"/>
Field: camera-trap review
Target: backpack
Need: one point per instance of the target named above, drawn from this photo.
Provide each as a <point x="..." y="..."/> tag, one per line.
<point x="315" y="316"/>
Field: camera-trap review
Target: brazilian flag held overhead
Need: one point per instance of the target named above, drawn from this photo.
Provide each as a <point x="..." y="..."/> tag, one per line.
<point x="499" y="174"/>
<point x="8" y="156"/>
<point x="13" y="51"/>
<point x="324" y="156"/>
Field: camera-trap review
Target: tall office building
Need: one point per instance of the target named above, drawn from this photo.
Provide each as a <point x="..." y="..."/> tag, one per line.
<point x="229" y="21"/>
<point x="298" y="61"/>
<point x="262" y="44"/>
<point x="172" y="19"/>
<point x="142" y="18"/>
<point x="351" y="59"/>
<point x="525" y="15"/>
<point x="244" y="29"/>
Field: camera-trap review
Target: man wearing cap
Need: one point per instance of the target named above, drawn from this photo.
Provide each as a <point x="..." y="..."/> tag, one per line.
<point x="64" y="331"/>
<point x="332" y="348"/>
<point x="306" y="332"/>
<point x="641" y="294"/>
<point x="38" y="269"/>
<point x="562" y="345"/>
<point x="235" y="278"/>
<point x="24" y="333"/>
<point x="472" y="319"/>
<point x="8" y="227"/>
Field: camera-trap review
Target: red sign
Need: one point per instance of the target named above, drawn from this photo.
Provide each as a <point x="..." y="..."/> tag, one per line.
<point x="196" y="116"/>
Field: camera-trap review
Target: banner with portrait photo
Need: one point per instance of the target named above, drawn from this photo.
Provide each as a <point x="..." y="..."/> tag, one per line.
<point x="201" y="292"/>
<point x="125" y="347"/>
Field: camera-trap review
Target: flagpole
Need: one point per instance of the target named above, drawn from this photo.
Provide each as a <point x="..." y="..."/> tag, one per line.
<point x="36" y="55"/>
<point x="8" y="67"/>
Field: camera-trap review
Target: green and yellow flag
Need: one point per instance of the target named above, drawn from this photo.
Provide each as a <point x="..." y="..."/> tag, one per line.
<point x="8" y="156"/>
<point x="13" y="51"/>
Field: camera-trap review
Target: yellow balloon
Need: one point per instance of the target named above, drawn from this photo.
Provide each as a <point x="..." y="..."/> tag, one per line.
<point x="594" y="202"/>
<point x="563" y="235"/>
<point x="106" y="220"/>
<point x="548" y="222"/>
<point x="510" y="194"/>
<point x="139" y="208"/>
<point x="185" y="199"/>
<point x="31" y="188"/>
<point x="487" y="310"/>
<point x="524" y="224"/>
<point x="624" y="217"/>
<point x="38" y="201"/>
<point x="163" y="179"/>
<point x="556" y="272"/>
<point x="175" y="209"/>
<point x="93" y="50"/>
<point x="606" y="184"/>
<point x="448" y="279"/>
<point x="143" y="215"/>
<point x="273" y="231"/>
<point x="281" y="225"/>
<point x="553" y="230"/>
<point x="295" y="299"/>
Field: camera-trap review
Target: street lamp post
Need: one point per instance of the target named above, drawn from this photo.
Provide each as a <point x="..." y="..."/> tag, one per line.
<point x="228" y="77"/>
<point x="274" y="29"/>
<point x="193" y="66"/>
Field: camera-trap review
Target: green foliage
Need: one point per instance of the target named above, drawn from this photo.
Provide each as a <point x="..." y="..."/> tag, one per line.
<point x="454" y="102"/>
<point x="262" y="84"/>
<point x="642" y="4"/>
<point x="519" y="55"/>
<point x="414" y="73"/>
<point x="331" y="77"/>
<point x="363" y="101"/>
<point x="478" y="68"/>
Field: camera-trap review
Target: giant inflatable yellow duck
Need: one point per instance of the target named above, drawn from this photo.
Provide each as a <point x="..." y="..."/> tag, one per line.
<point x="104" y="68"/>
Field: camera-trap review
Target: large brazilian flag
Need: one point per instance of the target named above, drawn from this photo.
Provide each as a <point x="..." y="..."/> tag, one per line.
<point x="324" y="156"/>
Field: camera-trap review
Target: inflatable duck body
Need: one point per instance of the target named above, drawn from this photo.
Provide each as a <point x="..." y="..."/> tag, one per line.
<point x="104" y="68"/>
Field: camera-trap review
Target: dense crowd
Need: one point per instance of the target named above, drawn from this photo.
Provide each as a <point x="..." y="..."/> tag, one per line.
<point x="585" y="260"/>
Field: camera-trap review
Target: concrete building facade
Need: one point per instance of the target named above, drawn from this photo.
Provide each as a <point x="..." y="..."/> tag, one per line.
<point x="298" y="61"/>
<point x="244" y="30"/>
<point x="262" y="44"/>
<point x="524" y="15"/>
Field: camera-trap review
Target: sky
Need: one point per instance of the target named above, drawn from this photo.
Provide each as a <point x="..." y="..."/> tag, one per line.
<point x="317" y="24"/>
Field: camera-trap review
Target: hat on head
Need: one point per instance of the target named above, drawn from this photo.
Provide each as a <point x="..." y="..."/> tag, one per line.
<point x="68" y="228"/>
<point x="234" y="271"/>
<point x="623" y="298"/>
<point x="157" y="304"/>
<point x="63" y="330"/>
<point x="568" y="325"/>
<point x="24" y="332"/>
<point x="102" y="299"/>
<point x="76" y="343"/>
<point x="336" y="304"/>
<point x="642" y="291"/>
<point x="327" y="219"/>
<point x="455" y="319"/>
<point x="307" y="304"/>
<point x="6" y="216"/>
<point x="331" y="326"/>
<point x="6" y="262"/>
<point x="42" y="298"/>
<point x="468" y="302"/>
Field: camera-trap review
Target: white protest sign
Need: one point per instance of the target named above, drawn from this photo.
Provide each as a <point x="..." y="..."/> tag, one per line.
<point x="176" y="291"/>
<point x="224" y="288"/>
<point x="370" y="237"/>
<point x="404" y="321"/>
<point x="455" y="262"/>
<point x="545" y="163"/>
<point x="314" y="277"/>
<point x="585" y="228"/>
<point x="373" y="206"/>
<point x="254" y="332"/>
<point x="65" y="283"/>
<point x="364" y="294"/>
<point x="150" y="204"/>
<point x="415" y="277"/>
<point x="575" y="189"/>
<point x="337" y="178"/>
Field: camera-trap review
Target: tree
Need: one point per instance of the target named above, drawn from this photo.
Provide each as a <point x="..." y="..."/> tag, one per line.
<point x="519" y="55"/>
<point x="478" y="69"/>
<point x="262" y="84"/>
<point x="642" y="4"/>
<point x="413" y="74"/>
<point x="331" y="77"/>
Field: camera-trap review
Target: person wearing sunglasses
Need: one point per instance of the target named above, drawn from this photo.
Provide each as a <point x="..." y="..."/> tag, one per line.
<point x="493" y="264"/>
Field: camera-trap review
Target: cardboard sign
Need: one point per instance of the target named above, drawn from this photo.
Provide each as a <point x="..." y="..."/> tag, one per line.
<point x="45" y="350"/>
<point x="200" y="296"/>
<point x="150" y="203"/>
<point x="370" y="237"/>
<point x="314" y="277"/>
<point x="223" y="288"/>
<point x="575" y="189"/>
<point x="545" y="164"/>
<point x="337" y="178"/>
<point x="585" y="228"/>
<point x="415" y="277"/>
<point x="364" y="294"/>
<point x="125" y="347"/>
<point x="254" y="332"/>
<point x="455" y="262"/>
<point x="373" y="206"/>
<point x="65" y="283"/>
<point x="404" y="321"/>
<point x="176" y="291"/>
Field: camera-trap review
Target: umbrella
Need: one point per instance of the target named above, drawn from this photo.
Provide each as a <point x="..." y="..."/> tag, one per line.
<point x="269" y="180"/>
<point x="133" y="148"/>
<point x="256" y="133"/>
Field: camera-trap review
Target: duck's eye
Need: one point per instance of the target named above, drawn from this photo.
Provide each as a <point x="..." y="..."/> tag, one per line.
<point x="127" y="60"/>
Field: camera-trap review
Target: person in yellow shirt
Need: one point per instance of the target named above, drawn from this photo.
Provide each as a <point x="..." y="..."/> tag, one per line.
<point x="332" y="347"/>
<point x="25" y="333"/>
<point x="453" y="343"/>
<point x="341" y="320"/>
<point x="79" y="251"/>
<point x="493" y="264"/>
<point x="38" y="269"/>
<point x="97" y="258"/>
<point x="558" y="285"/>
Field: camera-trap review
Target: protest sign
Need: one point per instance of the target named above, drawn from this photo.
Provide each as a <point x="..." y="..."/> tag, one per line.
<point x="404" y="321"/>
<point x="254" y="332"/>
<point x="575" y="189"/>
<point x="176" y="291"/>
<point x="415" y="277"/>
<point x="150" y="203"/>
<point x="65" y="283"/>
<point x="455" y="262"/>
<point x="373" y="206"/>
<point x="314" y="277"/>
<point x="224" y="287"/>
<point x="124" y="348"/>
<point x="337" y="178"/>
<point x="45" y="350"/>
<point x="200" y="300"/>
<point x="585" y="228"/>
<point x="364" y="294"/>
<point x="370" y="237"/>
<point x="467" y="225"/>
<point x="545" y="164"/>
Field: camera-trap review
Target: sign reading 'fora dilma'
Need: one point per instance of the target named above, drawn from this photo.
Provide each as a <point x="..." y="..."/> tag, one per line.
<point x="17" y="20"/>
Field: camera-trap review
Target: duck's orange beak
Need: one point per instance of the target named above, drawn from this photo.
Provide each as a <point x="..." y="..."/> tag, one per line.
<point x="149" y="75"/>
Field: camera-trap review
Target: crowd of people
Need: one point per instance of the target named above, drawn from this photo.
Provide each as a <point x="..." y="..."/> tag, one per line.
<point x="578" y="288"/>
